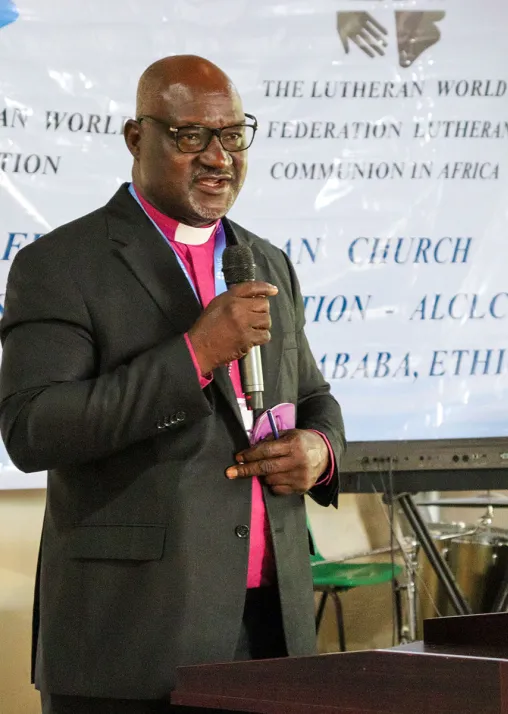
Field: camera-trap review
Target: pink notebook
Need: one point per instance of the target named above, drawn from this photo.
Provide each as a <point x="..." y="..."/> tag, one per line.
<point x="284" y="416"/>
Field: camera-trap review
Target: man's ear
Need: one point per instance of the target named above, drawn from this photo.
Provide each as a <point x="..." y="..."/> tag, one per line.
<point x="132" y="136"/>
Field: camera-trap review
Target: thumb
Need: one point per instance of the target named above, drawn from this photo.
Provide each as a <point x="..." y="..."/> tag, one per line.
<point x="254" y="288"/>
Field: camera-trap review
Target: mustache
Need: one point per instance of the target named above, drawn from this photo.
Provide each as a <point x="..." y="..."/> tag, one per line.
<point x="214" y="174"/>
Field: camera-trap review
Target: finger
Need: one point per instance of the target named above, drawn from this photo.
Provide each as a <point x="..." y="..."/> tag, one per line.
<point x="262" y="467"/>
<point x="282" y="490"/>
<point x="372" y="42"/>
<point x="375" y="33"/>
<point x="265" y="450"/>
<point x="367" y="39"/>
<point x="260" y="337"/>
<point x="362" y="47"/>
<point x="254" y="288"/>
<point x="293" y="478"/>
<point x="258" y="304"/>
<point x="260" y="321"/>
<point x="282" y="481"/>
<point x="344" y="39"/>
<point x="376" y="24"/>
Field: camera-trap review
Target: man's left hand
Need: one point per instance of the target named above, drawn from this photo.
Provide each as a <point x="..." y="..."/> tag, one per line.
<point x="291" y="464"/>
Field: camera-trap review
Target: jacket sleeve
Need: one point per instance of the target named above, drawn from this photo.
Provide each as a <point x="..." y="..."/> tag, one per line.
<point x="55" y="407"/>
<point x="316" y="409"/>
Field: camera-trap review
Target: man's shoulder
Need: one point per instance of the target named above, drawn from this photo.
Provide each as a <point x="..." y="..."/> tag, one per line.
<point x="70" y="238"/>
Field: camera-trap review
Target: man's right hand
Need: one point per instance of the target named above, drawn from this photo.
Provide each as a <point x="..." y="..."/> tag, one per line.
<point x="232" y="324"/>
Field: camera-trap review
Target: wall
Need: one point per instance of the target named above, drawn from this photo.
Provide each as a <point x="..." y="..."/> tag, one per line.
<point x="21" y="515"/>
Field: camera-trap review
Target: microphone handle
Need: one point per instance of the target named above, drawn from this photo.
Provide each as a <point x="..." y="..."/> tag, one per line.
<point x="251" y="370"/>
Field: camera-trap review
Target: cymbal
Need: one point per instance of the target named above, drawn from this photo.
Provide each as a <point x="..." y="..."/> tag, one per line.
<point x="468" y="502"/>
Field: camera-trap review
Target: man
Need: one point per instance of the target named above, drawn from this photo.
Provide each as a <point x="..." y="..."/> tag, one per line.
<point x="167" y="539"/>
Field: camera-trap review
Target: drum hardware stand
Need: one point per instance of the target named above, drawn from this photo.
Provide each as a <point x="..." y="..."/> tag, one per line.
<point x="501" y="601"/>
<point x="440" y="566"/>
<point x="500" y="604"/>
<point x="407" y="632"/>
<point x="488" y="517"/>
<point x="411" y="570"/>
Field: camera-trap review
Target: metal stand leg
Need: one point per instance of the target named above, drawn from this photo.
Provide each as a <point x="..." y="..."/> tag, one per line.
<point x="411" y="570"/>
<point x="501" y="601"/>
<point x="406" y="609"/>
<point x="398" y="610"/>
<point x="443" y="572"/>
<point x="340" y="620"/>
<point x="321" y="609"/>
<point x="500" y="604"/>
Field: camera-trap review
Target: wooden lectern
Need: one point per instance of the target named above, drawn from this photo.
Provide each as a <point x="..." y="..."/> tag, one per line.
<point x="461" y="667"/>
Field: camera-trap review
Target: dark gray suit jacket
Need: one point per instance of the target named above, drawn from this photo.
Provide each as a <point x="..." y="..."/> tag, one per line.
<point x="141" y="567"/>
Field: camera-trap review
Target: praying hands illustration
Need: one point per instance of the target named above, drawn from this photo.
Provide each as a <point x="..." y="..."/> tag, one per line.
<point x="416" y="31"/>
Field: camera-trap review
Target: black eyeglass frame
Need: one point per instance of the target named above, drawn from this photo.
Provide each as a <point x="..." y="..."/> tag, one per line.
<point x="173" y="130"/>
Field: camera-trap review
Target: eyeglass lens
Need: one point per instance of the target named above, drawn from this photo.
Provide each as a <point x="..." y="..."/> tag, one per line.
<point x="232" y="138"/>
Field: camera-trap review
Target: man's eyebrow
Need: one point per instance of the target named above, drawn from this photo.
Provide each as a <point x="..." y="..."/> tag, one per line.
<point x="184" y="122"/>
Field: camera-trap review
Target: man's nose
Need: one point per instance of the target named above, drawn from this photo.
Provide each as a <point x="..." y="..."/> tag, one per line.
<point x="215" y="155"/>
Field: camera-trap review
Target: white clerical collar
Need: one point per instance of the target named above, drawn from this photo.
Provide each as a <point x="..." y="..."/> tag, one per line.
<point x="193" y="236"/>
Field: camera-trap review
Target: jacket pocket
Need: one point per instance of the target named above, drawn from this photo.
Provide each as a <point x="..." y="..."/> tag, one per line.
<point x="117" y="542"/>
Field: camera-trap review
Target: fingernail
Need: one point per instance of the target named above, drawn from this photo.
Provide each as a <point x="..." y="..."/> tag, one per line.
<point x="231" y="472"/>
<point x="240" y="458"/>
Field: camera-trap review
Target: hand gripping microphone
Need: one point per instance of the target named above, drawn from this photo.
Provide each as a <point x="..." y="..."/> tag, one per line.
<point x="238" y="267"/>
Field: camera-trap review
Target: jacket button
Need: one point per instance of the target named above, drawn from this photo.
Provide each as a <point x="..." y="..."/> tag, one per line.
<point x="180" y="416"/>
<point x="242" y="531"/>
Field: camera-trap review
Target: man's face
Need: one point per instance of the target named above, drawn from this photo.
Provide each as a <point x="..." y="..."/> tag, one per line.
<point x="195" y="189"/>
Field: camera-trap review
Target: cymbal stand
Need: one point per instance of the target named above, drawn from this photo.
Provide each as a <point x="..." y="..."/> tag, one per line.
<point x="411" y="567"/>
<point x="439" y="565"/>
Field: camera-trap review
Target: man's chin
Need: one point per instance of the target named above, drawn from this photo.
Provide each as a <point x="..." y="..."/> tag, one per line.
<point x="211" y="211"/>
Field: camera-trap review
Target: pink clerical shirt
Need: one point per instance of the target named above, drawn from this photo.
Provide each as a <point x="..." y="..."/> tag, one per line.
<point x="199" y="263"/>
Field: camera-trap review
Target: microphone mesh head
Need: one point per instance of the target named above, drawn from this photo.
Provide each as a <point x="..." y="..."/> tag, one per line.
<point x="238" y="264"/>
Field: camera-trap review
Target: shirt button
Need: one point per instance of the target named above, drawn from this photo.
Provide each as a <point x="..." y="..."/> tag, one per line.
<point x="242" y="531"/>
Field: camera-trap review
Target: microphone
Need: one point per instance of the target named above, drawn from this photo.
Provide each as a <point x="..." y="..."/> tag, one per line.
<point x="238" y="267"/>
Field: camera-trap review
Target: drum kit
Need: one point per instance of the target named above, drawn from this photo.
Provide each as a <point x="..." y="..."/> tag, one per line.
<point x="477" y="555"/>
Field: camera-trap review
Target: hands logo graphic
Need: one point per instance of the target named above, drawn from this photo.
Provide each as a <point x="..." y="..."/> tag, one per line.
<point x="416" y="32"/>
<point x="362" y="29"/>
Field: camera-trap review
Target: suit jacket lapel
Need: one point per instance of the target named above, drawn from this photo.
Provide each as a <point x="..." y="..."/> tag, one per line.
<point x="221" y="375"/>
<point x="270" y="353"/>
<point x="139" y="244"/>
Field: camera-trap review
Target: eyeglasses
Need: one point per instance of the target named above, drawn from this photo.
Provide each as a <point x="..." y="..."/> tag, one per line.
<point x="194" y="139"/>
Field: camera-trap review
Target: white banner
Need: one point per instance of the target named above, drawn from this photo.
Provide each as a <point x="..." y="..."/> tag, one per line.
<point x="380" y="166"/>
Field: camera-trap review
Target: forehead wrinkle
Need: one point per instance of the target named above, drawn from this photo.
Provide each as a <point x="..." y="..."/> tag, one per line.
<point x="180" y="105"/>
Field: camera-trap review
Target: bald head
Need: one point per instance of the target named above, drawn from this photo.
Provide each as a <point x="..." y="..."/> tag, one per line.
<point x="177" y="79"/>
<point x="179" y="97"/>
